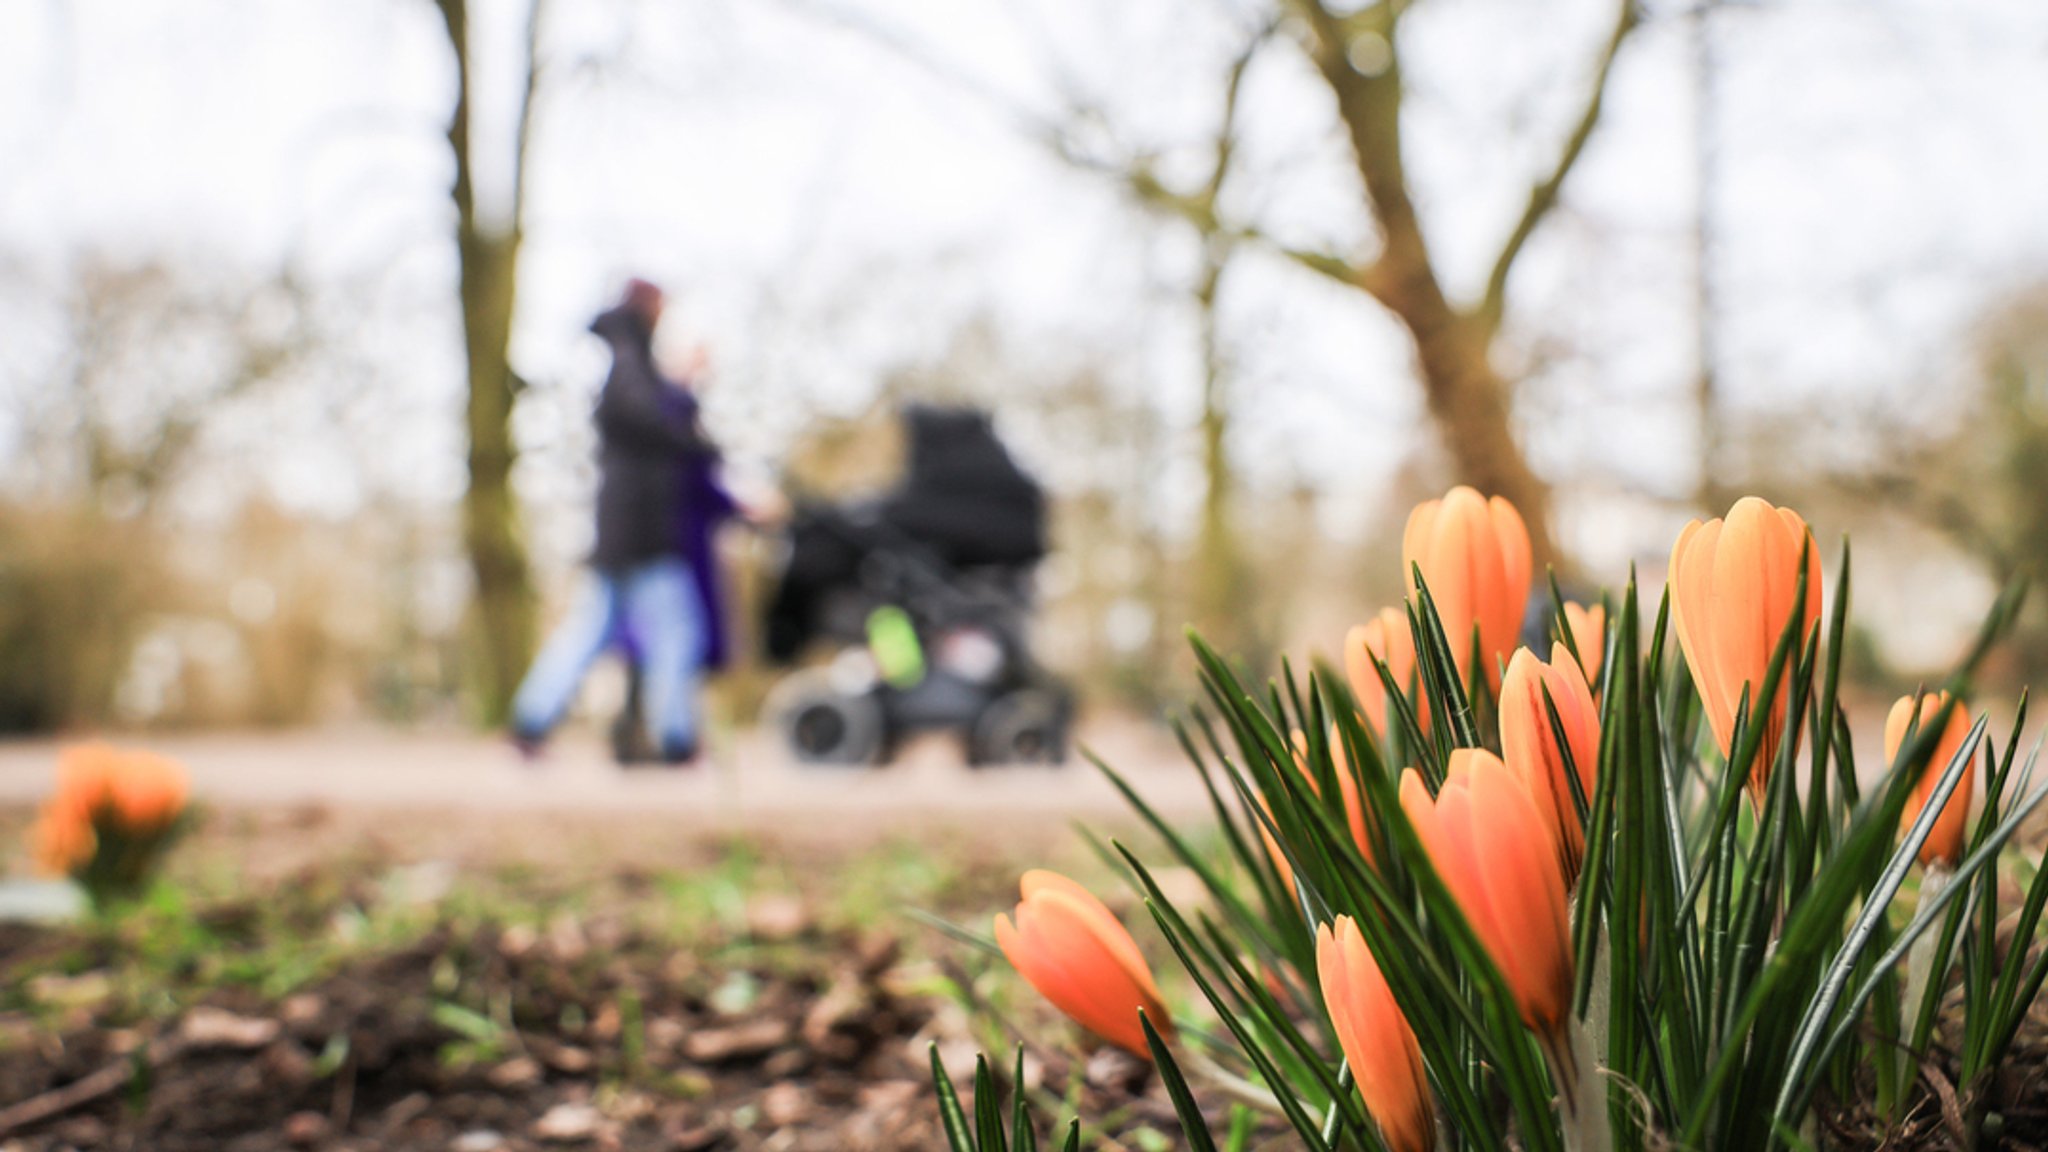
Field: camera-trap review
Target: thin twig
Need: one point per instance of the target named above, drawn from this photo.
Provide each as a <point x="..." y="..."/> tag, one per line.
<point x="86" y="1089"/>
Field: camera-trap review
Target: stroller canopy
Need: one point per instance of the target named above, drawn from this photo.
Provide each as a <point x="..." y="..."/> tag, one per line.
<point x="962" y="495"/>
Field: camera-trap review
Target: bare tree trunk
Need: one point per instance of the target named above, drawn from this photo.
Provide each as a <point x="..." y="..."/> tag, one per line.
<point x="1470" y="403"/>
<point x="503" y="603"/>
<point x="1708" y="492"/>
<point x="1468" y="399"/>
<point x="1222" y="579"/>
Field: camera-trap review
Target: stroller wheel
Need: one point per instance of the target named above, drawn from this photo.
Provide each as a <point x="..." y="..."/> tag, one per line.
<point x="1027" y="726"/>
<point x="822" y="725"/>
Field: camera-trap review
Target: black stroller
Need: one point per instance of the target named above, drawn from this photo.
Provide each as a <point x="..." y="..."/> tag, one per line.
<point x="924" y="596"/>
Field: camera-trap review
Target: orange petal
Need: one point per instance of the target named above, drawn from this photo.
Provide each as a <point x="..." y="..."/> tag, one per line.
<point x="1945" y="841"/>
<point x="1529" y="744"/>
<point x="1110" y="930"/>
<point x="1525" y="893"/>
<point x="1588" y="629"/>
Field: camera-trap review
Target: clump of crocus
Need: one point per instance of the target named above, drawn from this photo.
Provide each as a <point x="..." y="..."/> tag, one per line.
<point x="1733" y="583"/>
<point x="1493" y="848"/>
<point x="1067" y="945"/>
<point x="1474" y="555"/>
<point x="113" y="815"/>
<point x="1944" y="844"/>
<point x="1384" y="637"/>
<point x="1587" y="627"/>
<point x="1529" y="744"/>
<point x="1376" y="1039"/>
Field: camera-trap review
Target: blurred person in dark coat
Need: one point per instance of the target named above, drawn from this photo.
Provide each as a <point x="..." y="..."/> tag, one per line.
<point x="642" y="585"/>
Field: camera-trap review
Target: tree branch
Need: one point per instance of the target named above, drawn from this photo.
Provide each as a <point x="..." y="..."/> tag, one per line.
<point x="455" y="16"/>
<point x="1544" y="196"/>
<point x="523" y="133"/>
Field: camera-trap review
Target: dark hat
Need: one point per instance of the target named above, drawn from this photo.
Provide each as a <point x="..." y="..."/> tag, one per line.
<point x="643" y="297"/>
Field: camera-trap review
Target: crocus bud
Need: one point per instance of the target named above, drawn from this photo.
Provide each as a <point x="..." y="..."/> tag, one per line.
<point x="1493" y="849"/>
<point x="1588" y="630"/>
<point x="1474" y="555"/>
<point x="1944" y="844"/>
<point x="1732" y="586"/>
<point x="1066" y="944"/>
<point x="1529" y="745"/>
<point x="1377" y="1041"/>
<point x="1387" y="637"/>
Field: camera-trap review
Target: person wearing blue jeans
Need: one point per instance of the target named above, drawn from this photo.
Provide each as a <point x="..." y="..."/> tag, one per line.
<point x="657" y="604"/>
<point x="641" y="588"/>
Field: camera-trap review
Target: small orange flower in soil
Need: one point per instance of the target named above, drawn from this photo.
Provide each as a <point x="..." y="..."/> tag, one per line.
<point x="1733" y="582"/>
<point x="1491" y="845"/>
<point x="1387" y="637"/>
<point x="1067" y="945"/>
<point x="1588" y="629"/>
<point x="1529" y="744"/>
<point x="1474" y="555"/>
<point x="1944" y="845"/>
<point x="1376" y="1039"/>
<point x="140" y="793"/>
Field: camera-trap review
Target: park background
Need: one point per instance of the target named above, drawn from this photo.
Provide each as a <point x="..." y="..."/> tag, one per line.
<point x="295" y="457"/>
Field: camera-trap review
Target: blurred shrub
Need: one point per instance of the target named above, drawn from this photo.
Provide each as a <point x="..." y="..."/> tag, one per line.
<point x="76" y="591"/>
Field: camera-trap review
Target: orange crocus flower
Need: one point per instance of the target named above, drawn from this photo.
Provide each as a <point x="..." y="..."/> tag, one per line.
<point x="1732" y="586"/>
<point x="1529" y="745"/>
<point x="1067" y="945"/>
<point x="142" y="790"/>
<point x="1944" y="844"/>
<point x="1474" y="554"/>
<point x="1588" y="629"/>
<point x="1387" y="637"/>
<point x="1376" y="1039"/>
<point x="1493" y="848"/>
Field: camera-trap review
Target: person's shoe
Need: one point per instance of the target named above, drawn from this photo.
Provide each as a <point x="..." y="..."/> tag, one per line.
<point x="679" y="755"/>
<point x="529" y="745"/>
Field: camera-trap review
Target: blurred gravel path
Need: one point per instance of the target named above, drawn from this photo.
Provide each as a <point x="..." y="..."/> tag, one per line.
<point x="747" y="780"/>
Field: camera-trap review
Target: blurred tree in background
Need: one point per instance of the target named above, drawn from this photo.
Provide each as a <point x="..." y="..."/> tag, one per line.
<point x="1357" y="52"/>
<point x="488" y="247"/>
<point x="488" y="244"/>
<point x="153" y="358"/>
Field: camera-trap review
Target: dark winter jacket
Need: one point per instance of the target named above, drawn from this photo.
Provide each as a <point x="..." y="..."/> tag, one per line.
<point x="643" y="445"/>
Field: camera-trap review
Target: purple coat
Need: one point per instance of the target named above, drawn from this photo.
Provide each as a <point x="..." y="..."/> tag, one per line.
<point x="702" y="504"/>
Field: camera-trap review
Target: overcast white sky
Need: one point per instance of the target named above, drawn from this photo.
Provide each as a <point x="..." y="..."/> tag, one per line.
<point x="827" y="211"/>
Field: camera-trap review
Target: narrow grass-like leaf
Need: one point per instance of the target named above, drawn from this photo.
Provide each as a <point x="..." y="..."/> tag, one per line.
<point x="951" y="1117"/>
<point x="1023" y="1134"/>
<point x="1184" y="1107"/>
<point x="1448" y="700"/>
<point x="1809" y="1034"/>
<point x="988" y="1112"/>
